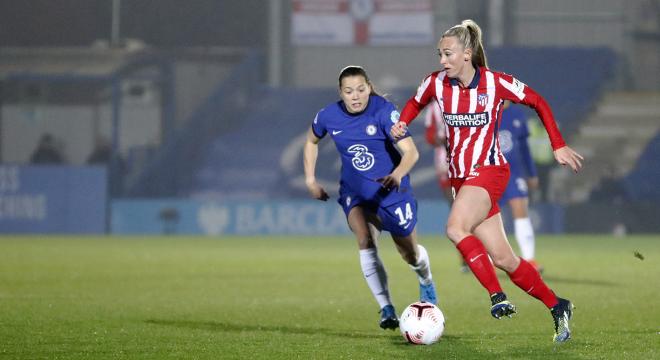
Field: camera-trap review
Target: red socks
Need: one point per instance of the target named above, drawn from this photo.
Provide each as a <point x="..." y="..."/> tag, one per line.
<point x="525" y="276"/>
<point x="476" y="257"/>
<point x="529" y="280"/>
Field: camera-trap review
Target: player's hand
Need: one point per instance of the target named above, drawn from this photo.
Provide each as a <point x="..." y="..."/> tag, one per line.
<point x="568" y="156"/>
<point x="533" y="183"/>
<point x="390" y="182"/>
<point x="317" y="191"/>
<point x="398" y="130"/>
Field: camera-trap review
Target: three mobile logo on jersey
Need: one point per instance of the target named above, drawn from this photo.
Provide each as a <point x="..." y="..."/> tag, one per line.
<point x="362" y="159"/>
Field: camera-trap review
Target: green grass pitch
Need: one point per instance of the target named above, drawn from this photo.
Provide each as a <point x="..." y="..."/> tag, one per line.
<point x="304" y="298"/>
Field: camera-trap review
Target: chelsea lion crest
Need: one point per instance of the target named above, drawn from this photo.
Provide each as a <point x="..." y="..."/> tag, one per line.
<point x="394" y="116"/>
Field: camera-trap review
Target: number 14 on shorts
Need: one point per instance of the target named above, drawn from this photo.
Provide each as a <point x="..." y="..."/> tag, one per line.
<point x="408" y="215"/>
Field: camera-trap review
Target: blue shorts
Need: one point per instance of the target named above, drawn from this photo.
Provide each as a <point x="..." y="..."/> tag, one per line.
<point x="516" y="188"/>
<point x="398" y="218"/>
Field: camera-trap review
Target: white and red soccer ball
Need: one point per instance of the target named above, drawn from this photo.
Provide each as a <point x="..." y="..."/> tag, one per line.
<point x="422" y="323"/>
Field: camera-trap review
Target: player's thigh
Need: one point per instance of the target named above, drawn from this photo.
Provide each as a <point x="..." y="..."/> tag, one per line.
<point x="492" y="235"/>
<point x="470" y="208"/>
<point x="359" y="225"/>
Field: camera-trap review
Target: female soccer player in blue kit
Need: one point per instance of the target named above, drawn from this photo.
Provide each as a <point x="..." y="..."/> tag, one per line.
<point x="375" y="190"/>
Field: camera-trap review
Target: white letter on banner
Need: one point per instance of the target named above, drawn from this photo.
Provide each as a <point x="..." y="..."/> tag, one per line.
<point x="9" y="179"/>
<point x="337" y="223"/>
<point x="286" y="216"/>
<point x="245" y="219"/>
<point x="265" y="220"/>
<point x="308" y="219"/>
<point x="40" y="207"/>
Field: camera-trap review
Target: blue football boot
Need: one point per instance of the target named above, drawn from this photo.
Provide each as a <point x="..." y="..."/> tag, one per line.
<point x="427" y="293"/>
<point x="388" y="318"/>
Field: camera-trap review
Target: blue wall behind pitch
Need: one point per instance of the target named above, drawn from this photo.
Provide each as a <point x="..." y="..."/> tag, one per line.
<point x="53" y="199"/>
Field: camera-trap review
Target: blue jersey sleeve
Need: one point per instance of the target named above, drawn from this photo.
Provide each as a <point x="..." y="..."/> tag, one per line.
<point x="389" y="116"/>
<point x="318" y="125"/>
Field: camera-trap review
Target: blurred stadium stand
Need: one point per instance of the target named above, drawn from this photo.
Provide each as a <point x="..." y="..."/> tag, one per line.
<point x="200" y="108"/>
<point x="641" y="184"/>
<point x="275" y="116"/>
<point x="612" y="138"/>
<point x="571" y="79"/>
<point x="170" y="170"/>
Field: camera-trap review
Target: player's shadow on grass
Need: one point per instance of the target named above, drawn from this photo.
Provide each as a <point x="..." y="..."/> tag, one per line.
<point x="229" y="327"/>
<point x="563" y="280"/>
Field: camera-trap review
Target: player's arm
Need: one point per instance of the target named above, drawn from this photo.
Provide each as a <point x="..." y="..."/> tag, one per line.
<point x="518" y="92"/>
<point x="409" y="157"/>
<point x="310" y="155"/>
<point x="414" y="106"/>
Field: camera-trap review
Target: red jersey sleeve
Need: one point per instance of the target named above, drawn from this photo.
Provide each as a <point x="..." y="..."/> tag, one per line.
<point x="518" y="92"/>
<point x="425" y="93"/>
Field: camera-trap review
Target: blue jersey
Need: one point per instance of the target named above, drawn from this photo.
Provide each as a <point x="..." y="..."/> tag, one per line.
<point x="366" y="148"/>
<point x="513" y="136"/>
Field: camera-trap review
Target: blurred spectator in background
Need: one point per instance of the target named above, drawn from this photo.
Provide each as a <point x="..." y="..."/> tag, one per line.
<point x="47" y="151"/>
<point x="102" y="155"/>
<point x="539" y="146"/>
<point x="436" y="136"/>
<point x="102" y="152"/>
<point x="513" y="136"/>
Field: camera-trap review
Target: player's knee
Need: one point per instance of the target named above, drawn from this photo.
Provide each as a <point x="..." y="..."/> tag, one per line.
<point x="366" y="241"/>
<point x="506" y="262"/>
<point x="409" y="257"/>
<point x="456" y="232"/>
<point x="406" y="248"/>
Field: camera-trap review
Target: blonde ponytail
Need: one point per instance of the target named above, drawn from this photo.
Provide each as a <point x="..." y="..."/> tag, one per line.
<point x="469" y="34"/>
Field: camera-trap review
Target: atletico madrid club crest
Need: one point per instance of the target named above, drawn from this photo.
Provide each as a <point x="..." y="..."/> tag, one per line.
<point x="482" y="99"/>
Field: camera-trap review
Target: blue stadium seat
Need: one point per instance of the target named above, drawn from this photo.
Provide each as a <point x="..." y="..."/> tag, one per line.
<point x="641" y="184"/>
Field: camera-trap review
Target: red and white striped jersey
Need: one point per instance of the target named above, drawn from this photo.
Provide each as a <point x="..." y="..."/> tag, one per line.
<point x="472" y="115"/>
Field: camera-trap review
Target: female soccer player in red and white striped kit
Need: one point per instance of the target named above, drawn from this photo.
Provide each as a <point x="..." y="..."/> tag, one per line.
<point x="471" y="97"/>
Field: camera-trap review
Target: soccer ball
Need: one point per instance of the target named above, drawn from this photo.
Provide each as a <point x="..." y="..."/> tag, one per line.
<point x="422" y="323"/>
